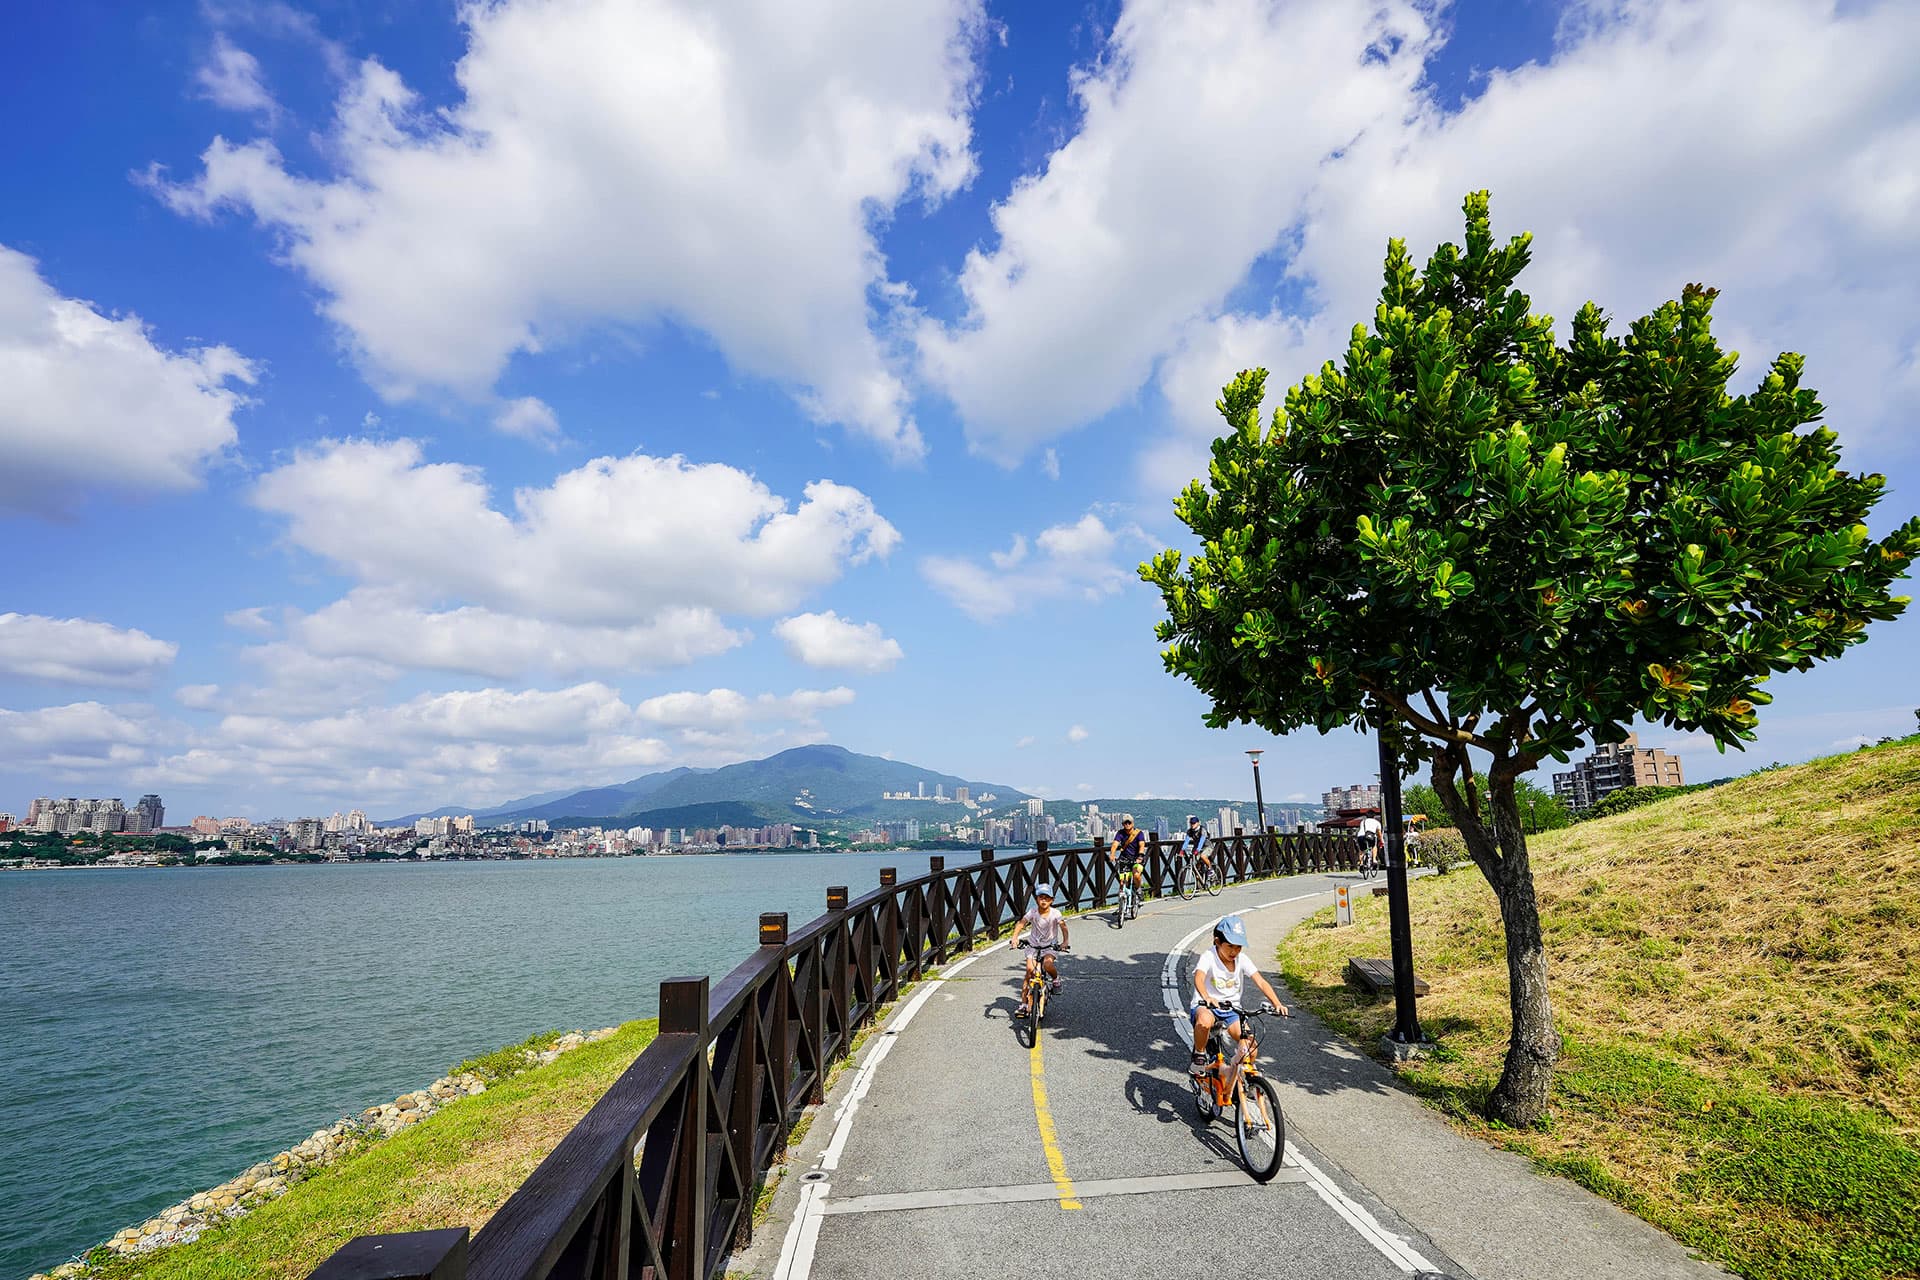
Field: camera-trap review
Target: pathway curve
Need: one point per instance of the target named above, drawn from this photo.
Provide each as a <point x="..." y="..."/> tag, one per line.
<point x="952" y="1150"/>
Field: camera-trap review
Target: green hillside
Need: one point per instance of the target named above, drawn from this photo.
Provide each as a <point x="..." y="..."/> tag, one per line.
<point x="1737" y="975"/>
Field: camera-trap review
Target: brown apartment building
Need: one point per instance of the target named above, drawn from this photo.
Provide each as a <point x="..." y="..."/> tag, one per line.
<point x="1614" y="765"/>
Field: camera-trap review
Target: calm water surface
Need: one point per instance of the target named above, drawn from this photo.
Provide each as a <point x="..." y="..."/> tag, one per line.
<point x="161" y="1030"/>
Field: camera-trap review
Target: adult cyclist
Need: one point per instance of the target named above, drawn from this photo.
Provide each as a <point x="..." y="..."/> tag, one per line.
<point x="1194" y="843"/>
<point x="1128" y="854"/>
<point x="1217" y="980"/>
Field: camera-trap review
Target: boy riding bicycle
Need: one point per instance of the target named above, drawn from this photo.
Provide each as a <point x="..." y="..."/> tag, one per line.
<point x="1128" y="854"/>
<point x="1217" y="982"/>
<point x="1049" y="931"/>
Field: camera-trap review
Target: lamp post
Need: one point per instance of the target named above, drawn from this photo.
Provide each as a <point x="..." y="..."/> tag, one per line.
<point x="1406" y="1038"/>
<point x="1259" y="801"/>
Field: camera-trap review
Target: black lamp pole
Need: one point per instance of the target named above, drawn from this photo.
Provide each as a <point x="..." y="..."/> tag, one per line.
<point x="1406" y="1031"/>
<point x="1258" y="800"/>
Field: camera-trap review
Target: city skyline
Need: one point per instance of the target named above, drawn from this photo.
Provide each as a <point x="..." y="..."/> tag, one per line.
<point x="369" y="441"/>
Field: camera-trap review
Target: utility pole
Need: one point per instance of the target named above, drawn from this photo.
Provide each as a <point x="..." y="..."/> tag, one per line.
<point x="1406" y="1039"/>
<point x="1258" y="800"/>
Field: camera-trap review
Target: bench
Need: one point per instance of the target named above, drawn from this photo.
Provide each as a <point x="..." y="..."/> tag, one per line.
<point x="1377" y="976"/>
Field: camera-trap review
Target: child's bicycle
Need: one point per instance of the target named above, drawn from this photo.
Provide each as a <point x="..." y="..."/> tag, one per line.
<point x="1033" y="994"/>
<point x="1258" y="1127"/>
<point x="1127" y="907"/>
<point x="1191" y="875"/>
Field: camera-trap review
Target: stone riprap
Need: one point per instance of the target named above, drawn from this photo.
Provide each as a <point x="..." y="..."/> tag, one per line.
<point x="185" y="1222"/>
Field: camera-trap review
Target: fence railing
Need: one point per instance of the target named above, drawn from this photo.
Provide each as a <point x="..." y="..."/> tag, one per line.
<point x="657" y="1181"/>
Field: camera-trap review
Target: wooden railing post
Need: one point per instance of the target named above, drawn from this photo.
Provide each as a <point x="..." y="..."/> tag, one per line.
<point x="408" y="1255"/>
<point x="773" y="933"/>
<point x="836" y="959"/>
<point x="990" y="906"/>
<point x="938" y="923"/>
<point x="889" y="940"/>
<point x="683" y="1011"/>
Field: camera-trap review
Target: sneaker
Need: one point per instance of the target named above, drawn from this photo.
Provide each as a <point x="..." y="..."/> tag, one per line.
<point x="1053" y="988"/>
<point x="1200" y="1064"/>
<point x="1023" y="1011"/>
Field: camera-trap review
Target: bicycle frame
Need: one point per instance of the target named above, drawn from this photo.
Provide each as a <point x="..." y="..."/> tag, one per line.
<point x="1227" y="1084"/>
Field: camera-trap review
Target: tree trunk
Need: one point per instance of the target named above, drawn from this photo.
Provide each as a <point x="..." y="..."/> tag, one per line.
<point x="1498" y="843"/>
<point x="1520" y="1099"/>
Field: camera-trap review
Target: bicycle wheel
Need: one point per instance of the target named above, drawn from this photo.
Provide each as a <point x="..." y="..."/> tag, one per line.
<point x="1183" y="881"/>
<point x="1213" y="881"/>
<point x="1259" y="1127"/>
<point x="1203" y="1102"/>
<point x="1026" y="1028"/>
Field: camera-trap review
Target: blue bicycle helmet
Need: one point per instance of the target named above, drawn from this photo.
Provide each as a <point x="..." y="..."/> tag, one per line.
<point x="1231" y="930"/>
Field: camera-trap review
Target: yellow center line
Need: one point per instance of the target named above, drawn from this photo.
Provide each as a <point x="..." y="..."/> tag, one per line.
<point x="1049" y="1139"/>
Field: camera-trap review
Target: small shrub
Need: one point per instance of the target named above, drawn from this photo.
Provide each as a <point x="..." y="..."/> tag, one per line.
<point x="1443" y="849"/>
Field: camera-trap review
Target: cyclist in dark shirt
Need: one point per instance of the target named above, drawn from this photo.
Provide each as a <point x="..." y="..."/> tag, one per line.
<point x="1128" y="854"/>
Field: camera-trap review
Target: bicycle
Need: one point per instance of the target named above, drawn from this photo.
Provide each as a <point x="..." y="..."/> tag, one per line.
<point x="1369" y="864"/>
<point x="1193" y="875"/>
<point x="1128" y="906"/>
<point x="1033" y="993"/>
<point x="1259" y="1128"/>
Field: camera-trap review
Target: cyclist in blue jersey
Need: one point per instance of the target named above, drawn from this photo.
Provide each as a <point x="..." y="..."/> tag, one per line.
<point x="1194" y="845"/>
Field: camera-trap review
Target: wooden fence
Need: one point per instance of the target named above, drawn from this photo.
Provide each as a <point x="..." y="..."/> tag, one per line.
<point x="657" y="1181"/>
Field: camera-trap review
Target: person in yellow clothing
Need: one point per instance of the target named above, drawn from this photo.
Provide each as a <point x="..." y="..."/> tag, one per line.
<point x="1128" y="854"/>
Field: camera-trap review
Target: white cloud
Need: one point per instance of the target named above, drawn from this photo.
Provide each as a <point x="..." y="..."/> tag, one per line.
<point x="610" y="543"/>
<point x="91" y="401"/>
<point x="380" y="625"/>
<point x="1077" y="734"/>
<point x="230" y="78"/>
<point x="78" y="651"/>
<point x="1026" y="741"/>
<point x="609" y="163"/>
<point x="1064" y="562"/>
<point x="1050" y="464"/>
<point x="1203" y="127"/>
<point x="725" y="708"/>
<point x="253" y="619"/>
<point x="528" y="417"/>
<point x="828" y="640"/>
<point x="80" y="737"/>
<point x="1650" y="150"/>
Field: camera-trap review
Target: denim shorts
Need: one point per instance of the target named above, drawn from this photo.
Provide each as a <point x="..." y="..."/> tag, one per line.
<point x="1221" y="1017"/>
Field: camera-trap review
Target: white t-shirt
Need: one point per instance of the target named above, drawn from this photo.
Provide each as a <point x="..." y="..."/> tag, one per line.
<point x="1042" y="930"/>
<point x="1224" y="984"/>
<point x="1370" y="827"/>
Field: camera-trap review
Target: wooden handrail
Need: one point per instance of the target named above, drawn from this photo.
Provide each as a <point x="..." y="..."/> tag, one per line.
<point x="657" y="1180"/>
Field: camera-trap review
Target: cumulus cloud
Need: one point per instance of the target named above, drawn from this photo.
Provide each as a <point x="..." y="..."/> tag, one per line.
<point x="1202" y="130"/>
<point x="78" y="738"/>
<point x="91" y="401"/>
<point x="1077" y="734"/>
<point x="471" y="639"/>
<point x="828" y="640"/>
<point x="79" y="651"/>
<point x="725" y="708"/>
<point x="609" y="163"/>
<point x="1065" y="562"/>
<point x="230" y="78"/>
<point x="529" y="417"/>
<point x="608" y="543"/>
<point x="1771" y="149"/>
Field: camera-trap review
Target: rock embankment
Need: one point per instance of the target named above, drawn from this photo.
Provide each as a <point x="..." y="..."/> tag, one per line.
<point x="185" y="1222"/>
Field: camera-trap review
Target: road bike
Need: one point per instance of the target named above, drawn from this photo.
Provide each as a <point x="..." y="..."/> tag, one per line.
<point x="1128" y="906"/>
<point x="1033" y="993"/>
<point x="1192" y="876"/>
<point x="1258" y="1126"/>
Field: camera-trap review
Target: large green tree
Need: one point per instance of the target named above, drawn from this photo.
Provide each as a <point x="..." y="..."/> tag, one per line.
<point x="1501" y="548"/>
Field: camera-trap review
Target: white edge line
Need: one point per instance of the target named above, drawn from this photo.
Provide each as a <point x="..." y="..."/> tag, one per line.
<point x="1396" y="1250"/>
<point x="803" y="1234"/>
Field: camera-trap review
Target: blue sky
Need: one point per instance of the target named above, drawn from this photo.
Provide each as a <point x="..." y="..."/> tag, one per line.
<point x="449" y="407"/>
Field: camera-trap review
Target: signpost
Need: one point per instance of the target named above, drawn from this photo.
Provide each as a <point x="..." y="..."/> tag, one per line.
<point x="1342" y="907"/>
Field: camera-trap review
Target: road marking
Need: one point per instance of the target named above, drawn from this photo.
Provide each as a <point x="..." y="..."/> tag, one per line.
<point x="803" y="1234"/>
<point x="1049" y="1139"/>
<point x="960" y="1197"/>
<point x="1395" y="1248"/>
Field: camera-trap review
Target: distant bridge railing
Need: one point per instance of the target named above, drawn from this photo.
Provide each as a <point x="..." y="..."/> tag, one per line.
<point x="657" y="1181"/>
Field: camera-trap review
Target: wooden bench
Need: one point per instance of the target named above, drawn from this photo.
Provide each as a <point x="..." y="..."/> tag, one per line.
<point x="1377" y="976"/>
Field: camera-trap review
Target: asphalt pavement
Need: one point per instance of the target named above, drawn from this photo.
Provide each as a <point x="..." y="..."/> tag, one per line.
<point x="950" y="1149"/>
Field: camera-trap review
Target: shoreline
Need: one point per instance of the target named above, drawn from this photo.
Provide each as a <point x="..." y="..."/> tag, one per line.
<point x="186" y="1221"/>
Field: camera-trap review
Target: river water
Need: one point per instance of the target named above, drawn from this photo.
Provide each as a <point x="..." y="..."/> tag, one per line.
<point x="161" y="1030"/>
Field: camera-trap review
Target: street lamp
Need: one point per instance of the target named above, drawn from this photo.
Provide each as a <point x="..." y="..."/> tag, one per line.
<point x="1258" y="800"/>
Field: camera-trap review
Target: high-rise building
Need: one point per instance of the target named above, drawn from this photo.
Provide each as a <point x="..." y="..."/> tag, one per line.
<point x="1035" y="807"/>
<point x="961" y="794"/>
<point x="1613" y="766"/>
<point x="205" y="826"/>
<point x="1360" y="796"/>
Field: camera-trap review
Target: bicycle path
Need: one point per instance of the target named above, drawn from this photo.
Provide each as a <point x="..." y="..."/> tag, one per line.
<point x="952" y="1150"/>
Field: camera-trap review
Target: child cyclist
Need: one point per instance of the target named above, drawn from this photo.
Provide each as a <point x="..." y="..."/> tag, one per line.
<point x="1049" y="930"/>
<point x="1216" y="984"/>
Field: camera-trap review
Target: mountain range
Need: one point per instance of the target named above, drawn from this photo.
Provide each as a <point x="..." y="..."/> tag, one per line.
<point x="810" y="786"/>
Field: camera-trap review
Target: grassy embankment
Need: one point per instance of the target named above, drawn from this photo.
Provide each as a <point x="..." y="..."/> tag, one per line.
<point x="454" y="1168"/>
<point x="1737" y="976"/>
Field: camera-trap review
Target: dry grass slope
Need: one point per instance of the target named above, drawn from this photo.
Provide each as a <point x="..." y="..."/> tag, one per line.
<point x="1737" y="974"/>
